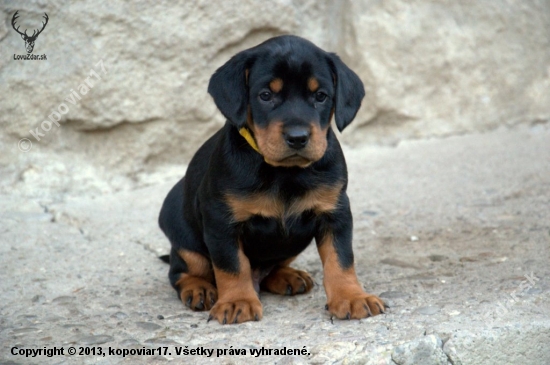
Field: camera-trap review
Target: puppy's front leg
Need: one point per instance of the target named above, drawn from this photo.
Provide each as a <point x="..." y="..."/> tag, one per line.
<point x="237" y="300"/>
<point x="346" y="298"/>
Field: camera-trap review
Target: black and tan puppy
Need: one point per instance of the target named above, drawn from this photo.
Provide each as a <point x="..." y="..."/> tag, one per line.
<point x="271" y="180"/>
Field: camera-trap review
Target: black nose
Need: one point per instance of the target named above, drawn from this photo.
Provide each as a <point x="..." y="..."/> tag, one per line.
<point x="296" y="138"/>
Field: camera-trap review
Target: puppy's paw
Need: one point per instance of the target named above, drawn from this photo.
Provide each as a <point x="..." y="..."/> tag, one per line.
<point x="197" y="293"/>
<point x="237" y="311"/>
<point x="287" y="281"/>
<point x="355" y="306"/>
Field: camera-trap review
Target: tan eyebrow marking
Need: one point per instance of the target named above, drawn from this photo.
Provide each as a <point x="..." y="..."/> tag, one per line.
<point x="313" y="84"/>
<point x="276" y="85"/>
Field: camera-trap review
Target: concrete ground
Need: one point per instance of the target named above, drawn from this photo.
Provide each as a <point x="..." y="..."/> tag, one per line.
<point x="454" y="233"/>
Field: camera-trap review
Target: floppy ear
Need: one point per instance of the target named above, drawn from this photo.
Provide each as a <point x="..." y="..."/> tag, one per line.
<point x="228" y="86"/>
<point x="349" y="92"/>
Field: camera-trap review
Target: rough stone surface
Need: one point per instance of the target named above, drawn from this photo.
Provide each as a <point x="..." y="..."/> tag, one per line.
<point x="83" y="270"/>
<point x="438" y="68"/>
<point x="430" y="69"/>
<point x="452" y="232"/>
<point x="426" y="350"/>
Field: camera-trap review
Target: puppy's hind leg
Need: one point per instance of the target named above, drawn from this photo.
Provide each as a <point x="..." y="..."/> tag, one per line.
<point x="191" y="272"/>
<point x="285" y="280"/>
<point x="192" y="276"/>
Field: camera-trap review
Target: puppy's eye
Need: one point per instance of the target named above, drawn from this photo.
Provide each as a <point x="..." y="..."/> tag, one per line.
<point x="266" y="96"/>
<point x="320" y="97"/>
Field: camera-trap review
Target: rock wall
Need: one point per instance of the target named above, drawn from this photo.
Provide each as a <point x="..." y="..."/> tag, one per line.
<point x="431" y="68"/>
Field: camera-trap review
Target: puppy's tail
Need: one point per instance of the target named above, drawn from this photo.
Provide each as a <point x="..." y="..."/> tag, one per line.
<point x="165" y="258"/>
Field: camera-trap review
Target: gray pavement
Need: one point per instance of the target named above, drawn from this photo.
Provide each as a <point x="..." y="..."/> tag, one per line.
<point x="454" y="233"/>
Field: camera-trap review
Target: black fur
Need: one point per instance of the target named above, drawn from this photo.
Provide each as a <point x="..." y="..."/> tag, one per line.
<point x="195" y="215"/>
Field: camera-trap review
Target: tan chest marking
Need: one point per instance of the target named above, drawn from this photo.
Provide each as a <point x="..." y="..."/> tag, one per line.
<point x="320" y="200"/>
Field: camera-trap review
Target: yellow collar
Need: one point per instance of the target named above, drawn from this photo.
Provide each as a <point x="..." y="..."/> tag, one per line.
<point x="246" y="134"/>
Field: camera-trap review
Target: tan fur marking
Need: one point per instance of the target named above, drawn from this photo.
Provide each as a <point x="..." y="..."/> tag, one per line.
<point x="197" y="264"/>
<point x="320" y="200"/>
<point x="345" y="296"/>
<point x="317" y="145"/>
<point x="276" y="152"/>
<point x="312" y="84"/>
<point x="237" y="299"/>
<point x="335" y="278"/>
<point x="290" y="162"/>
<point x="197" y="290"/>
<point x="285" y="280"/>
<point x="276" y="85"/>
<point x="196" y="286"/>
<point x="271" y="142"/>
<point x="235" y="286"/>
<point x="256" y="204"/>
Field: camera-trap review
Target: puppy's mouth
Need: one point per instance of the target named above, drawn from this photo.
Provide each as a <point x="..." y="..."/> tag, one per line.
<point x="292" y="160"/>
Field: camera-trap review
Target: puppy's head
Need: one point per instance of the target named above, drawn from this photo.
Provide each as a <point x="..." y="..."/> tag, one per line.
<point x="285" y="92"/>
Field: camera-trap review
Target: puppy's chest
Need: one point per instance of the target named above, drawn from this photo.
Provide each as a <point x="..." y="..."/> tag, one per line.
<point x="317" y="201"/>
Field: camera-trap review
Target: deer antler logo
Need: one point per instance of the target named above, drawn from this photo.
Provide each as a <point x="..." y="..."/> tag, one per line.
<point x="29" y="40"/>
